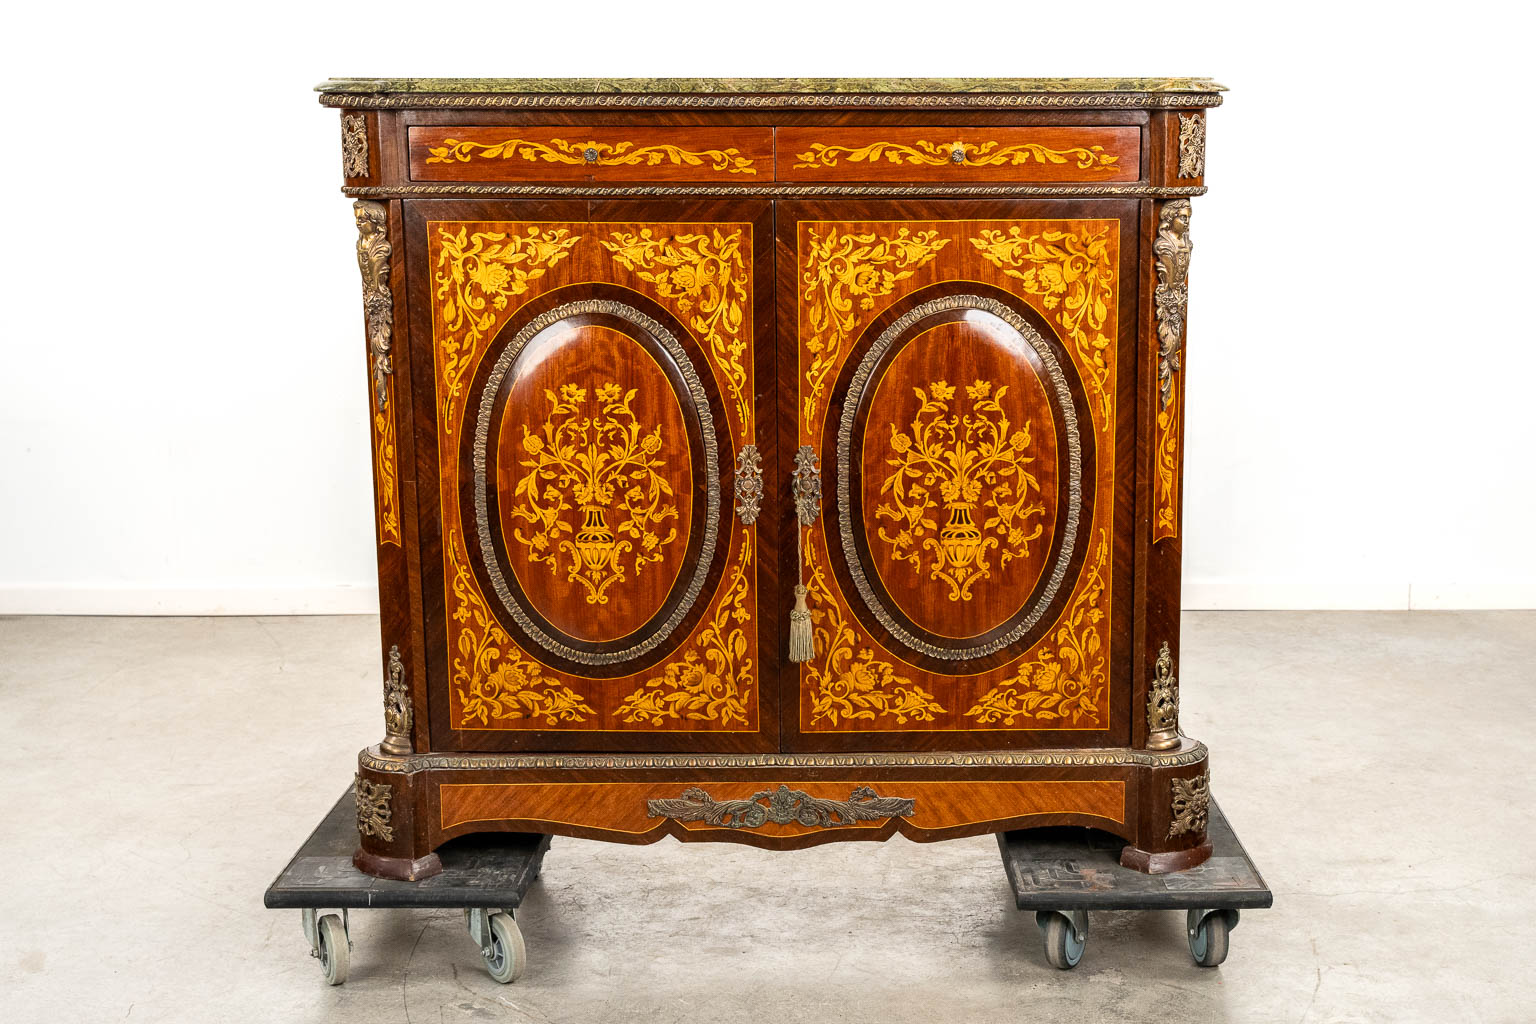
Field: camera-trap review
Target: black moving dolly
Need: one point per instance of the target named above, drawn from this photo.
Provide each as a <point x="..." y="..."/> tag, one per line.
<point x="486" y="876"/>
<point x="1062" y="873"/>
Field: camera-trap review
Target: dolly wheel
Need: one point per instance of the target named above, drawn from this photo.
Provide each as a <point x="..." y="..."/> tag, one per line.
<point x="507" y="956"/>
<point x="1063" y="946"/>
<point x="333" y="949"/>
<point x="1208" y="938"/>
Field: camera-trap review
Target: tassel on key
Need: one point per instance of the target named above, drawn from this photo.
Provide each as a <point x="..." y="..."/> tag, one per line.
<point x="806" y="487"/>
<point x="802" y="645"/>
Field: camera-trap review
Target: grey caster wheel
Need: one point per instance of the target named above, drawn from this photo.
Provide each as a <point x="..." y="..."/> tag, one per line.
<point x="329" y="942"/>
<point x="1209" y="933"/>
<point x="501" y="943"/>
<point x="1066" y="935"/>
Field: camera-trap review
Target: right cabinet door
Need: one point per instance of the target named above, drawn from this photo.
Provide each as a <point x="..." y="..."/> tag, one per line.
<point x="965" y="375"/>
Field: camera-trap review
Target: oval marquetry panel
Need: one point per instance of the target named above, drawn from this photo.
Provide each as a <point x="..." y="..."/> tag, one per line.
<point x="596" y="476"/>
<point x="959" y="476"/>
<point x="959" y="467"/>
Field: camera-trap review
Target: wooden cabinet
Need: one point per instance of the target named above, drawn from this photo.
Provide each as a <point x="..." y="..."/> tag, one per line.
<point x="774" y="462"/>
<point x="593" y="389"/>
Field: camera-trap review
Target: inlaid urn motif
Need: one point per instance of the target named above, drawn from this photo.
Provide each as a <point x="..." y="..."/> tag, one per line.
<point x="959" y="459"/>
<point x="593" y="452"/>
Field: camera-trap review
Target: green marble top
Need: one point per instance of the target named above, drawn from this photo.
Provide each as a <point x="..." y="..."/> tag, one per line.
<point x="786" y="86"/>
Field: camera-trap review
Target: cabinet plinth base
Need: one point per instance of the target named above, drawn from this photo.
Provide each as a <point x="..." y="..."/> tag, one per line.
<point x="403" y="869"/>
<point x="1162" y="863"/>
<point x="783" y="801"/>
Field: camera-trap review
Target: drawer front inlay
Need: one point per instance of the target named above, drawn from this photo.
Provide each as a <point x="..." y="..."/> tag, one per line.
<point x="959" y="154"/>
<point x="575" y="153"/>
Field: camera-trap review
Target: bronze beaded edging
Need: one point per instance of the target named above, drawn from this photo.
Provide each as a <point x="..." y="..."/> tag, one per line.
<point x="711" y="475"/>
<point x="844" y="101"/>
<point x="512" y="189"/>
<point x="856" y="389"/>
<point x="1102" y="757"/>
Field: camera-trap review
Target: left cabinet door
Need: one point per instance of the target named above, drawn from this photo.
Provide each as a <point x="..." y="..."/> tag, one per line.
<point x="590" y="467"/>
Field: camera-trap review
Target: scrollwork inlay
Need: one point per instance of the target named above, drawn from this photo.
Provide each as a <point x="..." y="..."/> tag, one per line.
<point x="1068" y="678"/>
<point x="591" y="152"/>
<point x="705" y="276"/>
<point x="928" y="153"/>
<point x="1072" y="273"/>
<point x="842" y="277"/>
<point x="712" y="681"/>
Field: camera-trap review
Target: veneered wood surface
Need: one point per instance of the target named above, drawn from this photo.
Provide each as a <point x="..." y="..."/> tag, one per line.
<point x="556" y="153"/>
<point x="989" y="154"/>
<point x="1140" y="592"/>
<point x="958" y="442"/>
<point x="620" y="807"/>
<point x="591" y="402"/>
<point x="1073" y="280"/>
<point x="493" y="683"/>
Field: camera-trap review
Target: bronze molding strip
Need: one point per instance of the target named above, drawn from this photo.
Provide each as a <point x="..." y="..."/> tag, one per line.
<point x="512" y="189"/>
<point x="1093" y="757"/>
<point x="783" y="101"/>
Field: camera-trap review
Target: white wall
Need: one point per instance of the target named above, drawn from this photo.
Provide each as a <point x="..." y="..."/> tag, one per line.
<point x="183" y="416"/>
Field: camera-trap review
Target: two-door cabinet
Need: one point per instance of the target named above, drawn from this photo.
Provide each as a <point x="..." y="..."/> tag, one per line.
<point x="776" y="461"/>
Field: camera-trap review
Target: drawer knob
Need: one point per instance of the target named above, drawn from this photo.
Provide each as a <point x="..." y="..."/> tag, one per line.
<point x="957" y="155"/>
<point x="590" y="154"/>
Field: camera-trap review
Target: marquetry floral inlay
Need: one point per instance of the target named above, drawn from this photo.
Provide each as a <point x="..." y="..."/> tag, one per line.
<point x="476" y="275"/>
<point x="1073" y="274"/>
<point x="716" y="686"/>
<point x="591" y="152"/>
<point x="1165" y="518"/>
<point x="937" y="154"/>
<point x="493" y="680"/>
<point x="960" y="462"/>
<point x="587" y="462"/>
<point x="848" y="683"/>
<point x="705" y="276"/>
<point x="386" y="474"/>
<point x="843" y="276"/>
<point x="1068" y="678"/>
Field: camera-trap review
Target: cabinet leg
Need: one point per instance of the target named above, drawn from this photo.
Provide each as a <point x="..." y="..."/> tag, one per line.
<point x="390" y="829"/>
<point x="1171" y="820"/>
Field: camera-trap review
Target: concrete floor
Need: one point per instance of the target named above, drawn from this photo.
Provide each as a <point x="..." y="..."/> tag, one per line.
<point x="159" y="772"/>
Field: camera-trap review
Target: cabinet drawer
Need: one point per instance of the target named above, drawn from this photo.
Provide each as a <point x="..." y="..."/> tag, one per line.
<point x="568" y="153"/>
<point x="957" y="154"/>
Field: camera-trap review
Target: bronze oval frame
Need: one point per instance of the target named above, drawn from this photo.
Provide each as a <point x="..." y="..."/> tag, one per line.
<point x="857" y="388"/>
<point x="653" y="638"/>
